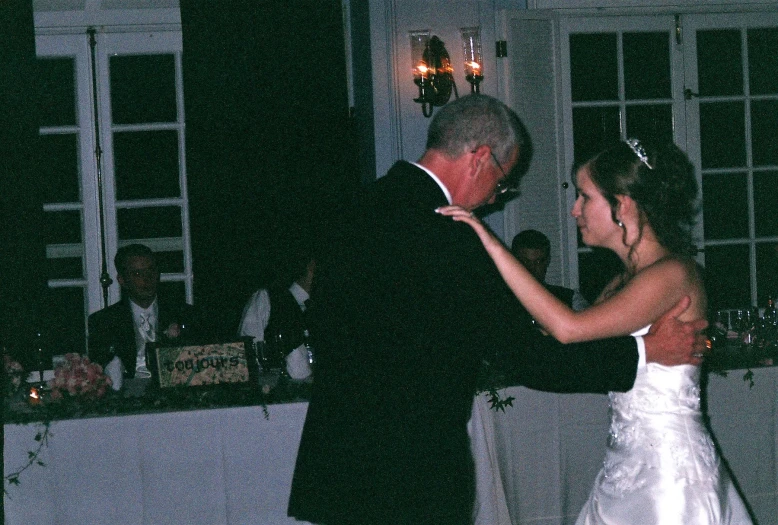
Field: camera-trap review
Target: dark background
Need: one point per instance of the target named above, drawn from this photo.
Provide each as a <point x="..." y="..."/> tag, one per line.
<point x="272" y="151"/>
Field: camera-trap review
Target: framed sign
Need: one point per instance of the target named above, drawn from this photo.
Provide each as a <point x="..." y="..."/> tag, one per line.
<point x="200" y="365"/>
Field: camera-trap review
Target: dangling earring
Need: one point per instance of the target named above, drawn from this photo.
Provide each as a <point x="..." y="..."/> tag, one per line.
<point x="620" y="224"/>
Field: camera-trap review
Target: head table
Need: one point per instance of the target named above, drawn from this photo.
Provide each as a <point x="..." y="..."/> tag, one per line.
<point x="535" y="462"/>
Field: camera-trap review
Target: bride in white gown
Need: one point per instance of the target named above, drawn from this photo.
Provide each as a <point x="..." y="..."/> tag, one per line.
<point x="661" y="466"/>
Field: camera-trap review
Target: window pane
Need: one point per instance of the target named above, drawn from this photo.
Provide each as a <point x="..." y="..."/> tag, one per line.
<point x="727" y="276"/>
<point x="145" y="223"/>
<point x="64" y="268"/>
<point x="765" y="207"/>
<point x="725" y="205"/>
<point x="596" y="269"/>
<point x="146" y="164"/>
<point x="653" y="124"/>
<point x="646" y="65"/>
<point x="58" y="93"/>
<point x="766" y="272"/>
<point x="764" y="125"/>
<point x="590" y="82"/>
<point x="719" y="62"/>
<point x="66" y="331"/>
<point x="59" y="168"/>
<point x="763" y="61"/>
<point x="722" y="135"/>
<point x="593" y="130"/>
<point x="62" y="227"/>
<point x="143" y="89"/>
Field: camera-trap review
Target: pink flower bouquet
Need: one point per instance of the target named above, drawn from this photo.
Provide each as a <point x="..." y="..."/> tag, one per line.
<point x="79" y="377"/>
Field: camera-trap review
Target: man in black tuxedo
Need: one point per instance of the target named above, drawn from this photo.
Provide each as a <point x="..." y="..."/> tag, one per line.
<point x="141" y="316"/>
<point x="408" y="305"/>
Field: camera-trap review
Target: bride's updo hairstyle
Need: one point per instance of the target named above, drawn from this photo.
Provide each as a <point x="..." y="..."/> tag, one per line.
<point x="662" y="183"/>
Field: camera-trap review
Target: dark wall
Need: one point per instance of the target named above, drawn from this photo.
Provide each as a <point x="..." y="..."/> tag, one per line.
<point x="271" y="150"/>
<point x="23" y="251"/>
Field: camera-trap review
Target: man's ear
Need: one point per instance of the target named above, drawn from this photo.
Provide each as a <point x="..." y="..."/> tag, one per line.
<point x="120" y="280"/>
<point x="478" y="157"/>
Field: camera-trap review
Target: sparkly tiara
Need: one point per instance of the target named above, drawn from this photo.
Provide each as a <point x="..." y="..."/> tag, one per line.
<point x="637" y="147"/>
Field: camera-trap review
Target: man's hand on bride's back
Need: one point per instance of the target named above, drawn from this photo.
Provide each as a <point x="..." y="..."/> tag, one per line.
<point x="673" y="342"/>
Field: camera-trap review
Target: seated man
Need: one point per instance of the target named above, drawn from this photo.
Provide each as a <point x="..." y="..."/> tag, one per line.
<point x="277" y="316"/>
<point x="533" y="249"/>
<point x="118" y="334"/>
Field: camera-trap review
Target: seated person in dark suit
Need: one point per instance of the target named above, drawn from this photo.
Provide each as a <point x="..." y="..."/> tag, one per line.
<point x="533" y="249"/>
<point x="277" y="315"/>
<point x="120" y="331"/>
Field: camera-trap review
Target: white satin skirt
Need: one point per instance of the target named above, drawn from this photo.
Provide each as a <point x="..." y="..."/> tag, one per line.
<point x="661" y="465"/>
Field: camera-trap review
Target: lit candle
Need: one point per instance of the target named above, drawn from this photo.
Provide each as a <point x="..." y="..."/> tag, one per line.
<point x="421" y="71"/>
<point x="35" y="396"/>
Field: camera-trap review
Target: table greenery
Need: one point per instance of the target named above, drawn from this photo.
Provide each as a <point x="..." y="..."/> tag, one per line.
<point x="489" y="382"/>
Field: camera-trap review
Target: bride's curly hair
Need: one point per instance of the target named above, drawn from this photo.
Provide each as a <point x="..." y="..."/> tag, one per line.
<point x="662" y="183"/>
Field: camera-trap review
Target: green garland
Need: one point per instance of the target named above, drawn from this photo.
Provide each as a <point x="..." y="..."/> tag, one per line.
<point x="33" y="456"/>
<point x="490" y="381"/>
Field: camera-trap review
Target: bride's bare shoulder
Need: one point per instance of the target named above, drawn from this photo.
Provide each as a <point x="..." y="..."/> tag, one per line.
<point x="687" y="275"/>
<point x="673" y="267"/>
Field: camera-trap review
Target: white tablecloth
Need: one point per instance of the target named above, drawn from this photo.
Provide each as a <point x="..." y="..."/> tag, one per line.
<point x="535" y="462"/>
<point x="210" y="467"/>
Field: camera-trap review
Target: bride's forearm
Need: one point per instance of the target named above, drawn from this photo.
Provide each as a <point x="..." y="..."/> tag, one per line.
<point x="551" y="313"/>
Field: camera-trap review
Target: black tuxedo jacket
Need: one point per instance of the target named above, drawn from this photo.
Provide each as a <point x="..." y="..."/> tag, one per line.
<point x="409" y="304"/>
<point x="563" y="294"/>
<point x="113" y="327"/>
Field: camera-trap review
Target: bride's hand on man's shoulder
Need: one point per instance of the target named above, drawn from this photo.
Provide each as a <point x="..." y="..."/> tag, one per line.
<point x="458" y="213"/>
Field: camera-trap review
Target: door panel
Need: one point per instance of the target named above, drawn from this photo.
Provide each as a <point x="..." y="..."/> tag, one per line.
<point x="734" y="81"/>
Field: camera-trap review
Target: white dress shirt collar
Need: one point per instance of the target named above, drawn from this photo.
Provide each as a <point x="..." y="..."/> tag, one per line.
<point x="437" y="181"/>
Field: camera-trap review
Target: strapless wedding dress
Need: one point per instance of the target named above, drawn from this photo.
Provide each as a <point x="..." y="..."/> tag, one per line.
<point x="661" y="466"/>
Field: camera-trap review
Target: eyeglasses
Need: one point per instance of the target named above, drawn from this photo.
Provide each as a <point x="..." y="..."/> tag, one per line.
<point x="503" y="186"/>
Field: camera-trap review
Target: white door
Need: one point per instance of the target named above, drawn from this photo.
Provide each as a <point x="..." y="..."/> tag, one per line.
<point x="732" y="102"/>
<point x="128" y="107"/>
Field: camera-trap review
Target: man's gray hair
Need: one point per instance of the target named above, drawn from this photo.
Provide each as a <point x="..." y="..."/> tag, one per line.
<point x="472" y="121"/>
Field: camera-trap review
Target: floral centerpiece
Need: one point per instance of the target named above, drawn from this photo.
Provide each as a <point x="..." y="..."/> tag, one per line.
<point x="78" y="377"/>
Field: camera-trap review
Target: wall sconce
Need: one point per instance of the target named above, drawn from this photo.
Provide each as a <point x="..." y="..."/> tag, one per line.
<point x="432" y="71"/>
<point x="474" y="59"/>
